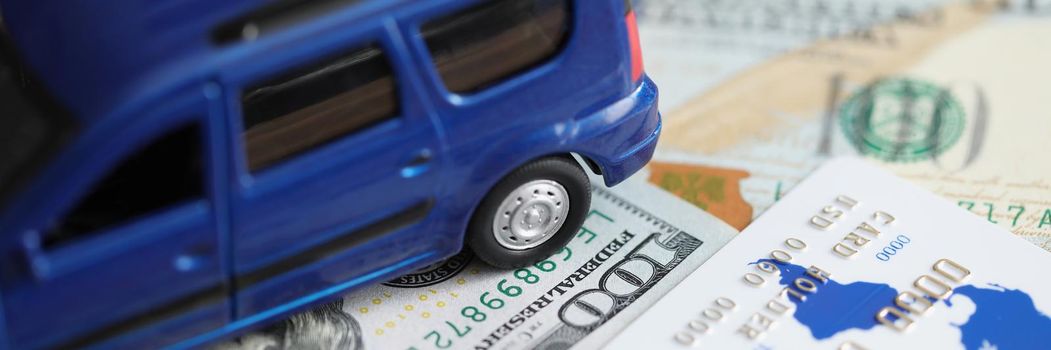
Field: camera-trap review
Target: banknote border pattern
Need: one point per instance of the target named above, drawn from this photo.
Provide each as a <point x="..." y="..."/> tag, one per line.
<point x="564" y="335"/>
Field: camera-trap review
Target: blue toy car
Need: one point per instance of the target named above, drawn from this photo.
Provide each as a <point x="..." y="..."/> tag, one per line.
<point x="177" y="171"/>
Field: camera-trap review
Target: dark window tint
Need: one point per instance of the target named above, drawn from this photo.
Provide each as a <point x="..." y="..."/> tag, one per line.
<point x="312" y="105"/>
<point x="488" y="43"/>
<point x="166" y="172"/>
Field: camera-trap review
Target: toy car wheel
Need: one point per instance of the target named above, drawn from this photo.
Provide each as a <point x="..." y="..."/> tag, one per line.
<point x="531" y="213"/>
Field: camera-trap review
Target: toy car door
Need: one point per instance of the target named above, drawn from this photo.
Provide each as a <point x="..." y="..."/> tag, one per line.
<point x="128" y="254"/>
<point x="338" y="164"/>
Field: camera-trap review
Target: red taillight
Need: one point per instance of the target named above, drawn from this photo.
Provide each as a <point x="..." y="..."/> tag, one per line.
<point x="633" y="42"/>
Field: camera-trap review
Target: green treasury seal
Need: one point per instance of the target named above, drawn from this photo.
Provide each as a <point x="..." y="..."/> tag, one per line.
<point x="902" y="120"/>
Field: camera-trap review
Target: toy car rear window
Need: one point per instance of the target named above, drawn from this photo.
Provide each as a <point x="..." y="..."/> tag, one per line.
<point x="489" y="43"/>
<point x="32" y="125"/>
<point x="312" y="105"/>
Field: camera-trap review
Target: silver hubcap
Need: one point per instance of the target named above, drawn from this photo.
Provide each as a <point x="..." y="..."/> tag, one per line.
<point x="531" y="214"/>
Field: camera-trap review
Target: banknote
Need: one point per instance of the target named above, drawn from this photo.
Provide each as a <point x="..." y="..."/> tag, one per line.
<point x="857" y="258"/>
<point x="636" y="244"/>
<point x="951" y="95"/>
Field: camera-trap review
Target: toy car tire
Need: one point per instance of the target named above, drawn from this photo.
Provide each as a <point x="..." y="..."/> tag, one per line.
<point x="531" y="213"/>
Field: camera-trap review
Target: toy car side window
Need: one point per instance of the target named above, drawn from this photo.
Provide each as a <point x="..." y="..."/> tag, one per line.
<point x="159" y="175"/>
<point x="491" y="42"/>
<point x="311" y="105"/>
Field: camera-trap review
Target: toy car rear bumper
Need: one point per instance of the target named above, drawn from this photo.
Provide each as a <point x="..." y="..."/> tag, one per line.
<point x="624" y="135"/>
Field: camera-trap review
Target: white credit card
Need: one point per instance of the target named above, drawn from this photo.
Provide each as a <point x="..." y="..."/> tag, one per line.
<point x="855" y="258"/>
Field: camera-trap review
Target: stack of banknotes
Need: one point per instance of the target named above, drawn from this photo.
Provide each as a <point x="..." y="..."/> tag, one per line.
<point x="940" y="108"/>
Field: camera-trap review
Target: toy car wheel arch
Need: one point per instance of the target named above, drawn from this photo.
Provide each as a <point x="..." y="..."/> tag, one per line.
<point x="531" y="213"/>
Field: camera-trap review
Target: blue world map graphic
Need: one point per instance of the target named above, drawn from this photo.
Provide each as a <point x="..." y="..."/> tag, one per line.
<point x="1003" y="318"/>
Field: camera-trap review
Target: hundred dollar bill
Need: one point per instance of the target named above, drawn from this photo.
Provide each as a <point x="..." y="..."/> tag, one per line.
<point x="951" y="95"/>
<point x="636" y="244"/>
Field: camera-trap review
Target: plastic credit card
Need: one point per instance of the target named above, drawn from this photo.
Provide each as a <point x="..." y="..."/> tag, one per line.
<point x="855" y="258"/>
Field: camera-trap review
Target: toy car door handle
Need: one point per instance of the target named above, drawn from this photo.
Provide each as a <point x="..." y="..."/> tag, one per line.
<point x="193" y="258"/>
<point x="418" y="164"/>
<point x="422" y="157"/>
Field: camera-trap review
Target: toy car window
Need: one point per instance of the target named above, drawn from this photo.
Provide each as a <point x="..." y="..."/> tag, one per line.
<point x="159" y="175"/>
<point x="488" y="43"/>
<point x="315" y="104"/>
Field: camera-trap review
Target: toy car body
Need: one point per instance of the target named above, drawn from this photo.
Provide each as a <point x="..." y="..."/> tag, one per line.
<point x="180" y="171"/>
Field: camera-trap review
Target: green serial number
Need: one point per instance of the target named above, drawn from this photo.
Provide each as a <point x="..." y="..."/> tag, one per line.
<point x="477" y="313"/>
